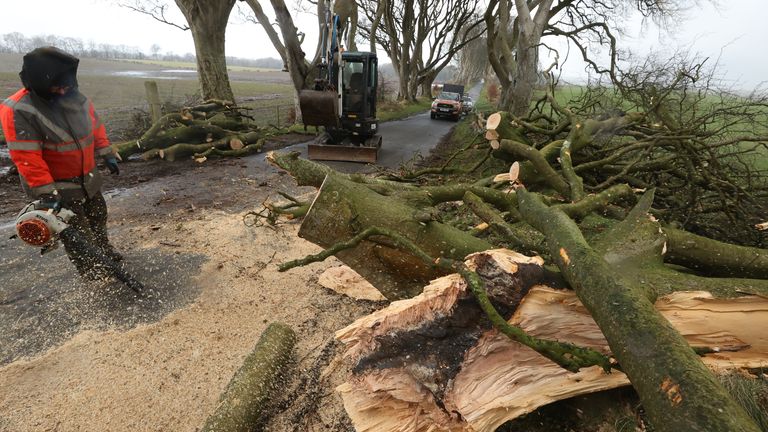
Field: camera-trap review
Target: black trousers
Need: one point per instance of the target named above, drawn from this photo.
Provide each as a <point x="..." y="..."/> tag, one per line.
<point x="90" y="221"/>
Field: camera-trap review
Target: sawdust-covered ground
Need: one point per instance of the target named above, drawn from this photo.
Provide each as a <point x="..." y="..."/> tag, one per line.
<point x="92" y="357"/>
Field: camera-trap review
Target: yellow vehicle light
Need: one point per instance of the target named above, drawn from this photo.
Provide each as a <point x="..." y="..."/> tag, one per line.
<point x="352" y="115"/>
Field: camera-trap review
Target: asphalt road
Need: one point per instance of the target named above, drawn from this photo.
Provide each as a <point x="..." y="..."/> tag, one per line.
<point x="402" y="140"/>
<point x="43" y="302"/>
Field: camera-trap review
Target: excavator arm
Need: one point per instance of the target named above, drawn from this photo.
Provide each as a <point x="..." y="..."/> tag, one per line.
<point x="343" y="101"/>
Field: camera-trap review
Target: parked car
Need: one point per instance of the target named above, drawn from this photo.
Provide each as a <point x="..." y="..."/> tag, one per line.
<point x="467" y="104"/>
<point x="447" y="104"/>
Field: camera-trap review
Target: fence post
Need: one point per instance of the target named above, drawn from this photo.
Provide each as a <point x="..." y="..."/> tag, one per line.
<point x="277" y="108"/>
<point x="153" y="98"/>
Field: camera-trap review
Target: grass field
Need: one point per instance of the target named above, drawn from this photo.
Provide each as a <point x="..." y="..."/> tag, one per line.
<point x="117" y="90"/>
<point x="192" y="66"/>
<point x="119" y="98"/>
<point x="392" y="110"/>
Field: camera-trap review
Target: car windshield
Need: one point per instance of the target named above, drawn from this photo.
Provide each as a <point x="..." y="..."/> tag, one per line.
<point x="450" y="96"/>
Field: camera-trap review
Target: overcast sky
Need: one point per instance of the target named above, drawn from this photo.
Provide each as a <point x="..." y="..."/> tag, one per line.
<point x="734" y="32"/>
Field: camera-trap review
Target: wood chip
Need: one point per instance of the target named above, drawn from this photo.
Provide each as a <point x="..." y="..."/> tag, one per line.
<point x="346" y="281"/>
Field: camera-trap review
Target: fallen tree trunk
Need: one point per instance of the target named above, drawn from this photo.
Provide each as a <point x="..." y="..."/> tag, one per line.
<point x="343" y="209"/>
<point x="182" y="150"/>
<point x="675" y="387"/>
<point x="243" y="404"/>
<point x="715" y="258"/>
<point x="216" y="128"/>
<point x="408" y="210"/>
<point x="479" y="378"/>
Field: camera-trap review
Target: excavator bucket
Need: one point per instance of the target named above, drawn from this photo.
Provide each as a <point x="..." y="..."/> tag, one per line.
<point x="347" y="151"/>
<point x="319" y="108"/>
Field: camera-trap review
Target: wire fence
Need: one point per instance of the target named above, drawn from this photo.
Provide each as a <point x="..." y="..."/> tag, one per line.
<point x="280" y="115"/>
<point x="128" y="122"/>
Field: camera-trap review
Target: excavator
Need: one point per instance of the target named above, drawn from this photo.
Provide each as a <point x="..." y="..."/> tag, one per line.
<point x="343" y="101"/>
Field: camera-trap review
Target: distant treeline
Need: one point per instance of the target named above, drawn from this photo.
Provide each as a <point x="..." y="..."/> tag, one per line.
<point x="18" y="43"/>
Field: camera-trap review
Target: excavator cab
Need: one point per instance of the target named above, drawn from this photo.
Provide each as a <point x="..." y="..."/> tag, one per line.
<point x="359" y="82"/>
<point x="345" y="105"/>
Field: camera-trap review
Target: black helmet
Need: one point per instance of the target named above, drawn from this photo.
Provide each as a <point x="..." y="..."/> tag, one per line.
<point x="47" y="67"/>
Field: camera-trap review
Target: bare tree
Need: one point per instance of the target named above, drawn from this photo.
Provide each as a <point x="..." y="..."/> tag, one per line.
<point x="288" y="43"/>
<point x="17" y="42"/>
<point x="420" y="36"/>
<point x="473" y="61"/>
<point x="515" y="29"/>
<point x="513" y="48"/>
<point x="207" y="21"/>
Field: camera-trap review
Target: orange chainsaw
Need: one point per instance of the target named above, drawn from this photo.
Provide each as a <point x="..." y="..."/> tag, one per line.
<point x="39" y="226"/>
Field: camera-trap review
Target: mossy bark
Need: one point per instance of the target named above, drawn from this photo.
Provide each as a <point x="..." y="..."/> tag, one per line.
<point x="242" y="406"/>
<point x="342" y="209"/>
<point x="678" y="392"/>
<point x="715" y="258"/>
<point x="221" y="146"/>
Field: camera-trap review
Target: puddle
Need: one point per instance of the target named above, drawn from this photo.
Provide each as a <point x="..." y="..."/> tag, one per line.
<point x="168" y="74"/>
<point x="115" y="192"/>
<point x="7" y="225"/>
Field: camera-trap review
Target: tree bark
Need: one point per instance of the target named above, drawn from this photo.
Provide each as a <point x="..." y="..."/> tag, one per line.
<point x="295" y="56"/>
<point x="676" y="389"/>
<point x="716" y="258"/>
<point x="263" y="19"/>
<point x="343" y="209"/>
<point x="208" y="23"/>
<point x="242" y="406"/>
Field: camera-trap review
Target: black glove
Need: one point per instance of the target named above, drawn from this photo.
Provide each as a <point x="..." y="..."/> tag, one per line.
<point x="50" y="201"/>
<point x="111" y="163"/>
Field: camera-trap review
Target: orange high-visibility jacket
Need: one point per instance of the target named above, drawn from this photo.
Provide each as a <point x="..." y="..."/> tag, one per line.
<point x="54" y="145"/>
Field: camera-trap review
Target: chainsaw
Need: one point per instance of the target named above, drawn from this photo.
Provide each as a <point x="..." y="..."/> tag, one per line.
<point x="43" y="227"/>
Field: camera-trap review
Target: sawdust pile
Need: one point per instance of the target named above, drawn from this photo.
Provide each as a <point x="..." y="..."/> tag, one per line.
<point x="169" y="374"/>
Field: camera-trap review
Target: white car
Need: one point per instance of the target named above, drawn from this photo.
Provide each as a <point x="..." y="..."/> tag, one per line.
<point x="467" y="103"/>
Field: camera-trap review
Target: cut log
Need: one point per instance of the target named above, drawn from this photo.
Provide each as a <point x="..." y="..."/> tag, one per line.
<point x="344" y="280"/>
<point x="498" y="379"/>
<point x="220" y="147"/>
<point x="243" y="404"/>
<point x="715" y="258"/>
<point x="236" y="144"/>
<point x="494" y="120"/>
<point x="491" y="135"/>
<point x="501" y="123"/>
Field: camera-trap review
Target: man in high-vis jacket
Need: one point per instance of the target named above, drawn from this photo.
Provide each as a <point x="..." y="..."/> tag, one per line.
<point x="54" y="137"/>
